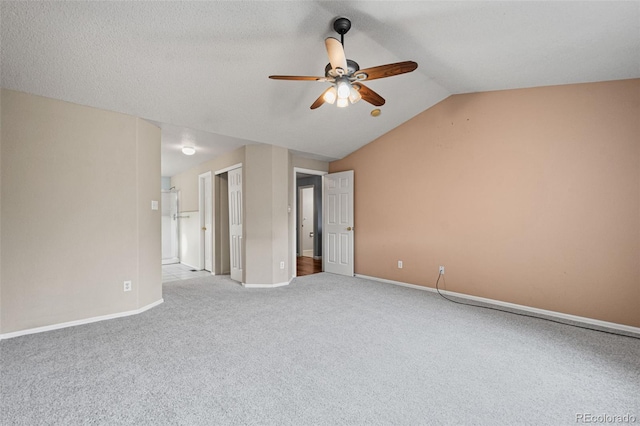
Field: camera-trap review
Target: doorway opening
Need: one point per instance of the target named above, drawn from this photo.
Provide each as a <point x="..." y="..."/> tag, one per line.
<point x="306" y="228"/>
<point x="229" y="234"/>
<point x="308" y="221"/>
<point x="222" y="246"/>
<point x="206" y="221"/>
<point x="170" y="227"/>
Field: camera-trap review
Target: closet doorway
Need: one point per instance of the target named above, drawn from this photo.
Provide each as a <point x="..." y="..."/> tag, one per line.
<point x="229" y="234"/>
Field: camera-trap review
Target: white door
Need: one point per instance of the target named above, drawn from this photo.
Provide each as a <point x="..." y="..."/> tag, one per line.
<point x="306" y="221"/>
<point x="206" y="221"/>
<point x="235" y="223"/>
<point x="337" y="238"/>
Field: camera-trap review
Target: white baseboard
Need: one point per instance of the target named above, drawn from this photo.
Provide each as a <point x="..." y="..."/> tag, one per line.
<point x="79" y="322"/>
<point x="266" y="285"/>
<point x="560" y="315"/>
<point x="190" y="266"/>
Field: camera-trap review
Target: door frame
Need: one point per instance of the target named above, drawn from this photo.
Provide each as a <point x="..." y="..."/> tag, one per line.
<point x="203" y="219"/>
<point x="294" y="240"/>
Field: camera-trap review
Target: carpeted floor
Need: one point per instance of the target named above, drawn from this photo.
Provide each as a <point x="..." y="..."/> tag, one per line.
<point x="324" y="350"/>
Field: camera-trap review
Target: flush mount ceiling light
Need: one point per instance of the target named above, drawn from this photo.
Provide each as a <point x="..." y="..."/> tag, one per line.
<point x="188" y="150"/>
<point x="345" y="75"/>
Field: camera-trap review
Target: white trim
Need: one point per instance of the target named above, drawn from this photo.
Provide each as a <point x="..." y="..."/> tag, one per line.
<point x="227" y="169"/>
<point x="310" y="171"/>
<point x="79" y="322"/>
<point x="294" y="206"/>
<point x="191" y="266"/>
<point x="575" y="318"/>
<point x="266" y="285"/>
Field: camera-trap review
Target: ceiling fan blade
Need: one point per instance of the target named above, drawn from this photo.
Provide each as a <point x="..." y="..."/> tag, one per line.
<point x="297" y="77"/>
<point x="369" y="95"/>
<point x="386" y="70"/>
<point x="336" y="54"/>
<point x="318" y="102"/>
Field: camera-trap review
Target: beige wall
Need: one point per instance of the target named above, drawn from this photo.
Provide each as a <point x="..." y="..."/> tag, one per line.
<point x="149" y="221"/>
<point x="0" y="211"/>
<point x="307" y="163"/>
<point x="76" y="186"/>
<point x="280" y="214"/>
<point x="266" y="217"/>
<point x="526" y="196"/>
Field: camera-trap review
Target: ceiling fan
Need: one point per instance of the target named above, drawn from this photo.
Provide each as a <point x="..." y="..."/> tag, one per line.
<point x="345" y="75"/>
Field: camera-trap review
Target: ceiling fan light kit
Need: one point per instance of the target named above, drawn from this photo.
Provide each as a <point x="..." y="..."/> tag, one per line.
<point x="346" y="76"/>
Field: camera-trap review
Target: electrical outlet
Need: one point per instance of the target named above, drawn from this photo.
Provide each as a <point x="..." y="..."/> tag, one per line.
<point x="441" y="270"/>
<point x="399" y="264"/>
<point x="281" y="265"/>
<point x="127" y="286"/>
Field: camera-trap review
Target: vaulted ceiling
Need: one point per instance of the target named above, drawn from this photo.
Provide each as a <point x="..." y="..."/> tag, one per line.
<point x="199" y="69"/>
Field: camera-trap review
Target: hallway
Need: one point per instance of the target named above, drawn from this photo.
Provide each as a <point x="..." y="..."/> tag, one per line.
<point x="307" y="266"/>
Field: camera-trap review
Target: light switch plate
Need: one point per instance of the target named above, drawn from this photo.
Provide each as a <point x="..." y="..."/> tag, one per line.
<point x="154" y="205"/>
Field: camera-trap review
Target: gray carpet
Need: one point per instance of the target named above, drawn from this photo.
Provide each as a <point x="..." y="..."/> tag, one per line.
<point x="324" y="350"/>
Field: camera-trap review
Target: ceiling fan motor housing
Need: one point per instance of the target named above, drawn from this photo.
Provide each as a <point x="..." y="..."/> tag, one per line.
<point x="352" y="66"/>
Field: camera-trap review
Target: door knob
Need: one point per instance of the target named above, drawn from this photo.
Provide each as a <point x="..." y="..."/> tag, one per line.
<point x="204" y="228"/>
<point x="349" y="229"/>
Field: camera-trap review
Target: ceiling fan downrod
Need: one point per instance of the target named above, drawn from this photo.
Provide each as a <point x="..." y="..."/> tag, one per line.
<point x="342" y="26"/>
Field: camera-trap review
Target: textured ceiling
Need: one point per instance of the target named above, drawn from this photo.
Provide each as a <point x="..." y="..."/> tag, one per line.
<point x="199" y="69"/>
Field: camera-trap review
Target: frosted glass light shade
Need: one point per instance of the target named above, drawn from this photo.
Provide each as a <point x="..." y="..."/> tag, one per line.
<point x="354" y="95"/>
<point x="343" y="90"/>
<point x="188" y="150"/>
<point x="330" y="95"/>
